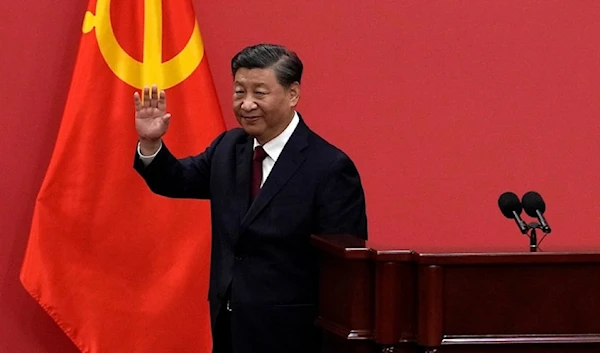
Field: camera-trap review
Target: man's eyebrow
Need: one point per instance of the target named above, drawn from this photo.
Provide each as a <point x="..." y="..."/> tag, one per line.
<point x="257" y="84"/>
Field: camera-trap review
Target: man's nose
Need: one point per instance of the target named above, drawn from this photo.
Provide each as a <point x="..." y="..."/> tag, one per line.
<point x="248" y="105"/>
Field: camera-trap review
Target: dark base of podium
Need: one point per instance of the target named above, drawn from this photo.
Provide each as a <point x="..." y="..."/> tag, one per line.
<point x="336" y="344"/>
<point x="563" y="348"/>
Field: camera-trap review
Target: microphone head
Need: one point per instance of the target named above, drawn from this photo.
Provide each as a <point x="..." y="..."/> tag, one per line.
<point x="532" y="201"/>
<point x="509" y="202"/>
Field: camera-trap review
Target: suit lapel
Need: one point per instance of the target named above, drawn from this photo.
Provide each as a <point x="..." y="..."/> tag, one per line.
<point x="287" y="164"/>
<point x="243" y="161"/>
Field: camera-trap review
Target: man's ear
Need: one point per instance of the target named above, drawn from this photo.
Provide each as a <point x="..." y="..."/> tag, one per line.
<point x="294" y="92"/>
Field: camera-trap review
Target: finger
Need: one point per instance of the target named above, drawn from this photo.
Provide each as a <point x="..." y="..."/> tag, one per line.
<point x="162" y="101"/>
<point x="166" y="118"/>
<point x="154" y="97"/>
<point x="146" y="97"/>
<point x="137" y="101"/>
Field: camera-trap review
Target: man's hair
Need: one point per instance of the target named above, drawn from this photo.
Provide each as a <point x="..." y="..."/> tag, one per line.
<point x="285" y="63"/>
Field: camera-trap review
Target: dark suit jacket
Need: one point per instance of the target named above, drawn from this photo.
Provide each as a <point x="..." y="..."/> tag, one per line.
<point x="262" y="249"/>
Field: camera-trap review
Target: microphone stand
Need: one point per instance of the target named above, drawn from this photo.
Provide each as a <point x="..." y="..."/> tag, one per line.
<point x="533" y="244"/>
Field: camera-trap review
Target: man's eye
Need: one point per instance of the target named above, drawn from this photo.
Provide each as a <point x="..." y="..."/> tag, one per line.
<point x="260" y="93"/>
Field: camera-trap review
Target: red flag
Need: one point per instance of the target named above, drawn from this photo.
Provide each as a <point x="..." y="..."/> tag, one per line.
<point x="119" y="268"/>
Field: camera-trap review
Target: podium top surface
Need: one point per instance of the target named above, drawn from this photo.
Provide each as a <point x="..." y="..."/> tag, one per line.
<point x="350" y="247"/>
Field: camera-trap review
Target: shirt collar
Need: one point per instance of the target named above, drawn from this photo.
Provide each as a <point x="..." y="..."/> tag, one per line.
<point x="275" y="146"/>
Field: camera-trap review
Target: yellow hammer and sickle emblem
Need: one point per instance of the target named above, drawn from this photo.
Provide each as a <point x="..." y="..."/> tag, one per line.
<point x="152" y="70"/>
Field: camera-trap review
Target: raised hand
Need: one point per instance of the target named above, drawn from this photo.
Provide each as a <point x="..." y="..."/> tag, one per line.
<point x="151" y="119"/>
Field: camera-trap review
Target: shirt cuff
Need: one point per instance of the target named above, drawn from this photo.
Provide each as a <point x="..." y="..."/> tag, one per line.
<point x="147" y="159"/>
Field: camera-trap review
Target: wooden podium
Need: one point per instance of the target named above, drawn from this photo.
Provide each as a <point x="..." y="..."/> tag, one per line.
<point x="382" y="300"/>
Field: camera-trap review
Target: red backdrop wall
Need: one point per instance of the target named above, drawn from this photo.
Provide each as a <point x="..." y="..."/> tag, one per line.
<point x="442" y="105"/>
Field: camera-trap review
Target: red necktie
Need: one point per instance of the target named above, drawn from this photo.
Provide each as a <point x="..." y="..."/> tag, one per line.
<point x="259" y="155"/>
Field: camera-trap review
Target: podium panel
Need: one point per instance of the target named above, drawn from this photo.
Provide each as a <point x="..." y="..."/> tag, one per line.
<point x="385" y="300"/>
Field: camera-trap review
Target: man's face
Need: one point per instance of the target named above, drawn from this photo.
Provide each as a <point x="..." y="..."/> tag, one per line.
<point x="262" y="106"/>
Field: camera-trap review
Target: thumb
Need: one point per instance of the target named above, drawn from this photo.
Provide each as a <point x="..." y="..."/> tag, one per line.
<point x="166" y="118"/>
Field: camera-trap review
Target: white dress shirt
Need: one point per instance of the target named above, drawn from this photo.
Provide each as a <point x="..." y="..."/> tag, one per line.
<point x="273" y="148"/>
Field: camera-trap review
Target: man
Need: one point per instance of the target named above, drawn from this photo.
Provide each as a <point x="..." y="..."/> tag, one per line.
<point x="272" y="183"/>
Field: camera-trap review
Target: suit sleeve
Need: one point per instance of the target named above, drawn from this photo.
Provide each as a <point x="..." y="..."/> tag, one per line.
<point x="341" y="201"/>
<point x="178" y="178"/>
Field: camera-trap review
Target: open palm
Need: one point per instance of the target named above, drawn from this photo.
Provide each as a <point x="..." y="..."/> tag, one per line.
<point x="151" y="120"/>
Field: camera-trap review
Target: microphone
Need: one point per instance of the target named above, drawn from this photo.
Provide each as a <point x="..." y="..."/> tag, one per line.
<point x="535" y="207"/>
<point x="511" y="208"/>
